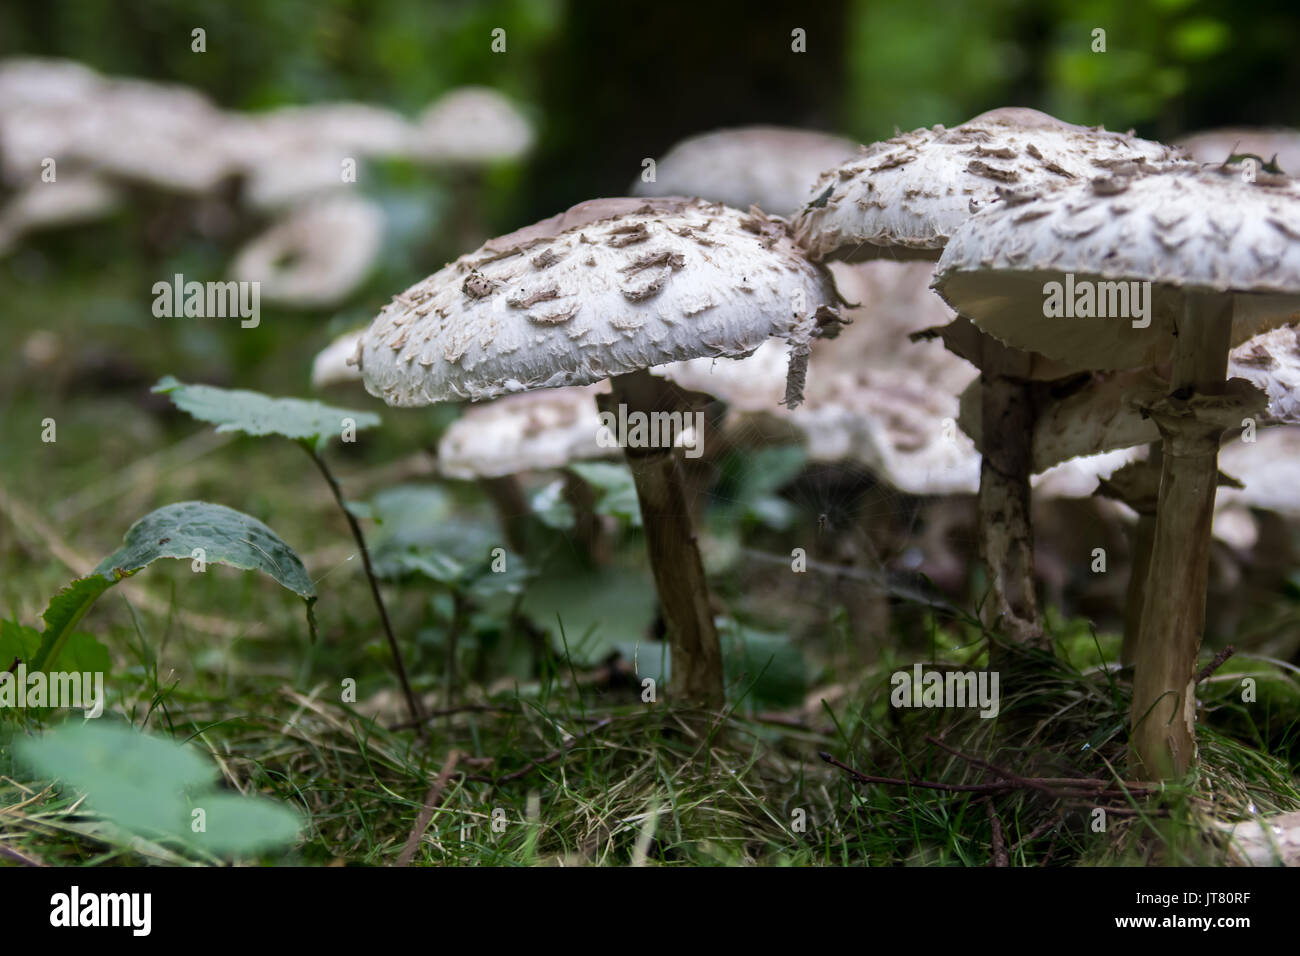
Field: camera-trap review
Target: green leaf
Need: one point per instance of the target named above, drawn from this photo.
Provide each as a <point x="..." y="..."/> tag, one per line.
<point x="237" y="410"/>
<point x="151" y="786"/>
<point x="615" y="489"/>
<point x="17" y="642"/>
<point x="134" y="779"/>
<point x="240" y="826"/>
<point x="186" y="530"/>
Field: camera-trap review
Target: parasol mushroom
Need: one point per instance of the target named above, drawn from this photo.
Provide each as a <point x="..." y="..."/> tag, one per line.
<point x="1221" y="259"/>
<point x="903" y="199"/>
<point x="609" y="289"/>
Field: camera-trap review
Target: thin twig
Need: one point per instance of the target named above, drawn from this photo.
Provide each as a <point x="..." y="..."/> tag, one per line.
<point x="399" y="664"/>
<point x="431" y="801"/>
<point x="1000" y="855"/>
<point x="1215" y="663"/>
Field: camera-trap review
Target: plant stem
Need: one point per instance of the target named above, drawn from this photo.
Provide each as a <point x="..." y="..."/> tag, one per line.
<point x="1173" y="613"/>
<point x="399" y="663"/>
<point x="1006" y="531"/>
<point x="697" y="674"/>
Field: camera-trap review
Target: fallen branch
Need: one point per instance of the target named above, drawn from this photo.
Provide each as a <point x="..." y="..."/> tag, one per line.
<point x="1215" y="663"/>
<point x="431" y="801"/>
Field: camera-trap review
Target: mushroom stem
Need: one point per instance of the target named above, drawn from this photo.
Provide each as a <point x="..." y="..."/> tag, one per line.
<point x="670" y="539"/>
<point x="1142" y="538"/>
<point x="1006" y="532"/>
<point x="1173" y="611"/>
<point x="512" y="509"/>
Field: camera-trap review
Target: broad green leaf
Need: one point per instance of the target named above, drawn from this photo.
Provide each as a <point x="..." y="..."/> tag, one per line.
<point x="134" y="779"/>
<point x="151" y="786"/>
<point x="189" y="530"/>
<point x="240" y="826"/>
<point x="238" y="410"/>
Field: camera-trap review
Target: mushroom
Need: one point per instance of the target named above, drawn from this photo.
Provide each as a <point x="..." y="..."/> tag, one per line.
<point x="765" y="166"/>
<point x="71" y="200"/>
<point x="609" y="289"/>
<point x="1221" y="257"/>
<point x="472" y="125"/>
<point x="903" y="199"/>
<point x="315" y="256"/>
<point x="336" y="363"/>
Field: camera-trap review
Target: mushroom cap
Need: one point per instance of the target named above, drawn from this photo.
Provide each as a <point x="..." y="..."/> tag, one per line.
<point x="607" y="287"/>
<point x="316" y="255"/>
<point x="334" y="364"/>
<point x="753" y="384"/>
<point x="471" y="125"/>
<point x="1268" y="468"/>
<point x="906" y="196"/>
<point x="1183" y="230"/>
<point x="771" y="167"/>
<point x="1216" y="145"/>
<point x="358" y="129"/>
<point x="72" y="199"/>
<point x="45" y="82"/>
<point x="526" y="432"/>
<point x="1271" y="362"/>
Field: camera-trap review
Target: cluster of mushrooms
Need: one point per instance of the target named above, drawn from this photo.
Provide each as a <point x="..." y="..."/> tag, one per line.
<point x="782" y="271"/>
<point x="294" y="167"/>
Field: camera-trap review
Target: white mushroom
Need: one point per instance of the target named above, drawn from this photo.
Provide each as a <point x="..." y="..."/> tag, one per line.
<point x="609" y="289"/>
<point x="315" y="256"/>
<point x="1222" y="257"/>
<point x="904" y="198"/>
<point x="70" y="200"/>
<point x="336" y="363"/>
<point x="908" y="195"/>
<point x="766" y="166"/>
<point x="473" y="125"/>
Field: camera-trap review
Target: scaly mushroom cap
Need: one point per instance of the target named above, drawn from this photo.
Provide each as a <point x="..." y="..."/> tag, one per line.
<point x="753" y="384"/>
<point x="316" y="255"/>
<point x="904" y="197"/>
<point x="336" y="364"/>
<point x="472" y="125"/>
<point x="527" y="432"/>
<point x="1268" y="469"/>
<point x="1216" y="145"/>
<point x="1271" y="362"/>
<point x="1199" y="230"/>
<point x="766" y="166"/>
<point x="608" y="287"/>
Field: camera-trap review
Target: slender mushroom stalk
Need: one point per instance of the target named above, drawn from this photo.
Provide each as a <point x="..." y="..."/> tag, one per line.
<point x="1206" y="259"/>
<point x="903" y="198"/>
<point x="610" y="289"/>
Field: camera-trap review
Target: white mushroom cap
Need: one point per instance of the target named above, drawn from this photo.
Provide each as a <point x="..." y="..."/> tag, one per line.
<point x="1271" y="362"/>
<point x="41" y="82"/>
<point x="315" y="256"/>
<point x="335" y="364"/>
<point x="471" y="125"/>
<point x="1216" y="145"/>
<point x="906" y="196"/>
<point x="608" y="287"/>
<point x="527" y="432"/>
<point x="70" y="200"/>
<point x="887" y="302"/>
<point x="766" y="166"/>
<point x="1268" y="468"/>
<point x="297" y="175"/>
<point x="158" y="134"/>
<point x="357" y="129"/>
<point x="1186" y="229"/>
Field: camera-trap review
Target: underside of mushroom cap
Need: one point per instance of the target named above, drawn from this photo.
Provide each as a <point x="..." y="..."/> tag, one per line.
<point x="904" y="197"/>
<point x="1094" y="275"/>
<point x="536" y="430"/>
<point x="770" y="167"/>
<point x="608" y="287"/>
